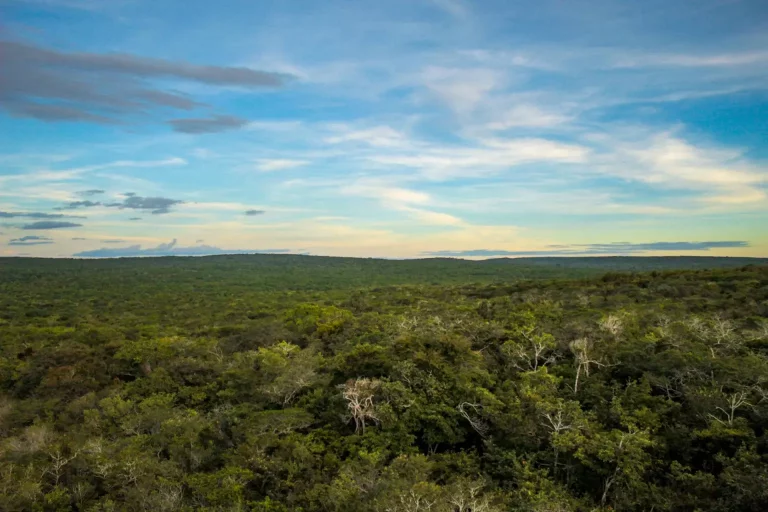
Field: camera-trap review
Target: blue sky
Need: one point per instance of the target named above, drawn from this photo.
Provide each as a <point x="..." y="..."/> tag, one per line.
<point x="387" y="129"/>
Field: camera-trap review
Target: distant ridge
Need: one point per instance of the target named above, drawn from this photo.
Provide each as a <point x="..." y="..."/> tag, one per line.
<point x="287" y="272"/>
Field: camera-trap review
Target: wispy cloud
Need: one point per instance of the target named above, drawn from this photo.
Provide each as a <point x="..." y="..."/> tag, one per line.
<point x="33" y="182"/>
<point x="527" y="115"/>
<point x="462" y="89"/>
<point x="688" y="60"/>
<point x="413" y="202"/>
<point x="665" y="160"/>
<point x="389" y="195"/>
<point x="378" y="136"/>
<point x="279" y="164"/>
<point x="489" y="156"/>
<point x="455" y="8"/>
<point x="432" y="218"/>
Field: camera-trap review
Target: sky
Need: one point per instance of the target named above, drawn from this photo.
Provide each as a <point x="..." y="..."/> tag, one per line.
<point x="396" y="129"/>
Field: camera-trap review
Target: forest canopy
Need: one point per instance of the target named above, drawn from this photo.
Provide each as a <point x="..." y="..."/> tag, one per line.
<point x="260" y="383"/>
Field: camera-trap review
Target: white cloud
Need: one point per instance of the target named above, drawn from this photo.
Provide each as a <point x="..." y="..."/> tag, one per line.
<point x="279" y="164"/>
<point x="737" y="196"/>
<point x="62" y="184"/>
<point x="402" y="195"/>
<point x="527" y="116"/>
<point x="683" y="60"/>
<point x="167" y="162"/>
<point x="532" y="197"/>
<point x="378" y="136"/>
<point x="453" y="7"/>
<point x="665" y="160"/>
<point x="47" y="192"/>
<point x="402" y="199"/>
<point x="462" y="89"/>
<point x="433" y="218"/>
<point x="490" y="156"/>
<point x="388" y="194"/>
<point x="274" y="126"/>
<point x="202" y="153"/>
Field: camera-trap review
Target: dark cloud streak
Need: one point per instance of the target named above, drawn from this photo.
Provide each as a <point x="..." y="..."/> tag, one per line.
<point x="78" y="204"/>
<point x="155" y="205"/>
<point x="43" y="112"/>
<point x="49" y="224"/>
<point x="37" y="215"/>
<point x="134" y="65"/>
<point x="207" y="125"/>
<point x="30" y="240"/>
<point x="54" y="86"/>
<point x="26" y="244"/>
<point x="91" y="192"/>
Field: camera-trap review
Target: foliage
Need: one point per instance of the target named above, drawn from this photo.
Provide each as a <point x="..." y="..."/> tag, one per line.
<point x="204" y="384"/>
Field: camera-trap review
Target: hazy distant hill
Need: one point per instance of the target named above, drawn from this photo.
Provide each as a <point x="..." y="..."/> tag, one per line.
<point x="296" y="272"/>
<point x="632" y="263"/>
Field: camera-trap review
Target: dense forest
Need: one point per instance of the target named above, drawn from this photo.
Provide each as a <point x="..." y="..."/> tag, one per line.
<point x="289" y="383"/>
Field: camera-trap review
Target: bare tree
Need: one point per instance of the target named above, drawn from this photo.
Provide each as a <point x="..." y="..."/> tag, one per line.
<point x="761" y="332"/>
<point x="612" y="324"/>
<point x="584" y="359"/>
<point x="406" y="324"/>
<point x="133" y="469"/>
<point x="359" y="395"/>
<point x="168" y="496"/>
<point x="34" y="439"/>
<point x="413" y="501"/>
<point x="468" y="496"/>
<point x="558" y="420"/>
<point x="82" y="491"/>
<point x="628" y="442"/>
<point x="717" y="333"/>
<point x="537" y="350"/>
<point x="58" y="462"/>
<point x="476" y="423"/>
<point x="734" y="402"/>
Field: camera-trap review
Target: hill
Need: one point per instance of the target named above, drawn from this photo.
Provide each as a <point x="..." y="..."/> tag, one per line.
<point x="264" y="272"/>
